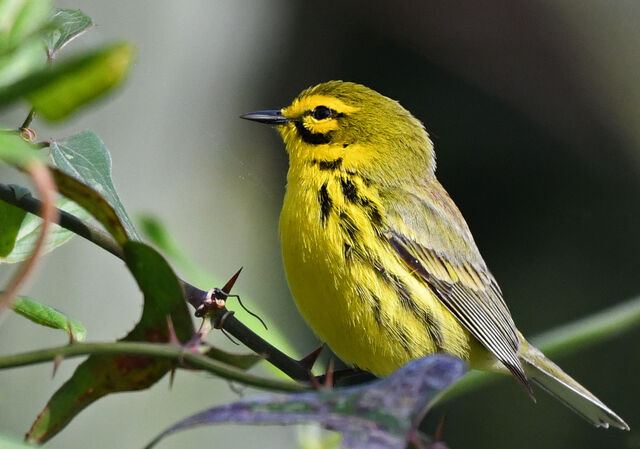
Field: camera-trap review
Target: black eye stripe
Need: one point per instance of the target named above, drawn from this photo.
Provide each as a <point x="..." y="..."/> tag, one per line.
<point x="312" y="138"/>
<point x="318" y="113"/>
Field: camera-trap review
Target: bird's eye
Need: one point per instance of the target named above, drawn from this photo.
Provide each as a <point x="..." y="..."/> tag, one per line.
<point x="321" y="113"/>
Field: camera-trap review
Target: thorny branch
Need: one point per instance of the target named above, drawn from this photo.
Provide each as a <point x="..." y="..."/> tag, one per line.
<point x="295" y="369"/>
<point x="605" y="324"/>
<point x="171" y="351"/>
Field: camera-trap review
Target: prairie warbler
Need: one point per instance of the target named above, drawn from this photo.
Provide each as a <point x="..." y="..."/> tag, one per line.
<point x="378" y="257"/>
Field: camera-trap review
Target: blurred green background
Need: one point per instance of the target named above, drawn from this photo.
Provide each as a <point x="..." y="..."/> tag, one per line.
<point x="534" y="108"/>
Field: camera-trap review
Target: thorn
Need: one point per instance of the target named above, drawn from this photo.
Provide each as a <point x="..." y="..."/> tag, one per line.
<point x="328" y="377"/>
<point x="72" y="338"/>
<point x="309" y="360"/>
<point x="437" y="436"/>
<point x="57" y="360"/>
<point x="216" y="299"/>
<point x="192" y="346"/>
<point x="231" y="282"/>
<point x="173" y="338"/>
<point x="314" y="381"/>
<point x="417" y="440"/>
<point x="172" y="376"/>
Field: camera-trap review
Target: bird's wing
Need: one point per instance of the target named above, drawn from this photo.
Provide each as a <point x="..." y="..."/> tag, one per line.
<point x="428" y="232"/>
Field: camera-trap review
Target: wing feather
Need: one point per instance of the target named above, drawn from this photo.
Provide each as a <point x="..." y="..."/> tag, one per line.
<point x="429" y="234"/>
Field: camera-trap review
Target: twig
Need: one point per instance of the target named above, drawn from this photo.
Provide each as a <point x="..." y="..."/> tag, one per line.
<point x="28" y="120"/>
<point x="65" y="219"/>
<point x="167" y="351"/>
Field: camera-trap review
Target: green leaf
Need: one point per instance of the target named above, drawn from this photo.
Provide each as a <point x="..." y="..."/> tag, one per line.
<point x="20" y="19"/>
<point x="21" y="61"/>
<point x="83" y="83"/>
<point x="50" y="317"/>
<point x="99" y="376"/>
<point x="58" y="90"/>
<point x="9" y="11"/>
<point x="381" y="414"/>
<point x="85" y="157"/>
<point x="33" y="16"/>
<point x="68" y="24"/>
<point x="93" y="202"/>
<point x="10" y="220"/>
<point x="30" y="229"/>
<point x="16" y="151"/>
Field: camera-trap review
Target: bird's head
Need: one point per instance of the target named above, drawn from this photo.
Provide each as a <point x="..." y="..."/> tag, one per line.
<point x="368" y="132"/>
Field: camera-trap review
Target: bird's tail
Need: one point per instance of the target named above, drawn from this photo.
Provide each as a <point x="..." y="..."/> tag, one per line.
<point x="557" y="383"/>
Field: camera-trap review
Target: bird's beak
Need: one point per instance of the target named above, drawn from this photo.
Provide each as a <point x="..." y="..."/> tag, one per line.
<point x="270" y="117"/>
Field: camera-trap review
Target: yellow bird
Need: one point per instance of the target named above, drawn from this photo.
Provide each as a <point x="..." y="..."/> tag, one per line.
<point x="379" y="259"/>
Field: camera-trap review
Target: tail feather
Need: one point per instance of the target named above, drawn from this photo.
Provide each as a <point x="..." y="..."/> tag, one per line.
<point x="560" y="385"/>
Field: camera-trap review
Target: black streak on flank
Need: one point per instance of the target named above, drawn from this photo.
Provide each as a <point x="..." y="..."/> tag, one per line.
<point x="348" y="226"/>
<point x="372" y="211"/>
<point x="325" y="203"/>
<point x="367" y="182"/>
<point x="312" y="138"/>
<point x="348" y="252"/>
<point x="406" y="299"/>
<point x="433" y="327"/>
<point x="401" y="289"/>
<point x="349" y="190"/>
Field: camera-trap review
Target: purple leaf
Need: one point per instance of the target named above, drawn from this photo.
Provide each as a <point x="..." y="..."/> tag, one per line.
<point x="378" y="415"/>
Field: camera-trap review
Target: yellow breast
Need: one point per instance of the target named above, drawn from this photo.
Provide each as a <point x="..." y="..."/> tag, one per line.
<point x="347" y="281"/>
